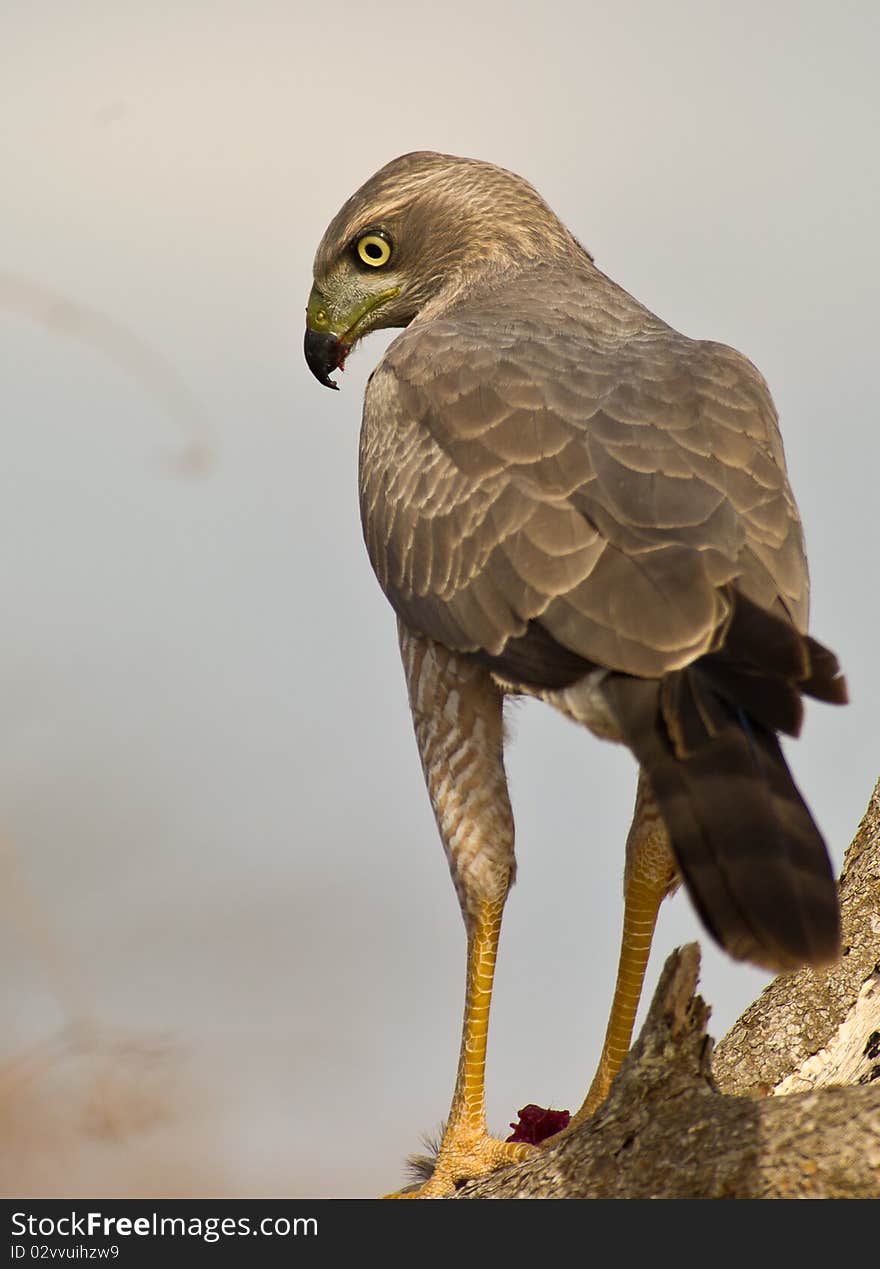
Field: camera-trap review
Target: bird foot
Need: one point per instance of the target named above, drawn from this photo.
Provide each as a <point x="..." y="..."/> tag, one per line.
<point x="463" y="1156"/>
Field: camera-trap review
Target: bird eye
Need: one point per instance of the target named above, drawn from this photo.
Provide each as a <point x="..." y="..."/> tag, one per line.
<point x="374" y="250"/>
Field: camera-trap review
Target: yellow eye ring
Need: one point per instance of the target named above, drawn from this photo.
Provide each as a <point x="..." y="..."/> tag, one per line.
<point x="373" y="250"/>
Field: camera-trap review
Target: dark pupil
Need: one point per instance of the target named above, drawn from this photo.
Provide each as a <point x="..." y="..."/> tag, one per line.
<point x="373" y="250"/>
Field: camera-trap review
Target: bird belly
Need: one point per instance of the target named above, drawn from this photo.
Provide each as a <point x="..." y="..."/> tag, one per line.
<point x="582" y="701"/>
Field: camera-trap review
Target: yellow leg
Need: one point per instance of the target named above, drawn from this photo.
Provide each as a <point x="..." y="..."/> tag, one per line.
<point x="467" y="1150"/>
<point x="650" y="874"/>
<point x="458" y="718"/>
<point x="642" y="901"/>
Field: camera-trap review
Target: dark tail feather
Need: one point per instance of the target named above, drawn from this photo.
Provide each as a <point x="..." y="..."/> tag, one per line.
<point x="777" y="656"/>
<point x="752" y="858"/>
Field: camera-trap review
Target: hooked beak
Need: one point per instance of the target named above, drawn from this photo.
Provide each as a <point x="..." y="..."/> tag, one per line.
<point x="330" y="334"/>
<point x="325" y="353"/>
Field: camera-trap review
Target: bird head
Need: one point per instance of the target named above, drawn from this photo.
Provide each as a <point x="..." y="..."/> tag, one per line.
<point x="414" y="236"/>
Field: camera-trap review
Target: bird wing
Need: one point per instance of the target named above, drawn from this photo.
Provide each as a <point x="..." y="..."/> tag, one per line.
<point x="550" y="457"/>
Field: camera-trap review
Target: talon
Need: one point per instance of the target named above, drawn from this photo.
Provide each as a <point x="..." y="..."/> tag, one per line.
<point x="463" y="1158"/>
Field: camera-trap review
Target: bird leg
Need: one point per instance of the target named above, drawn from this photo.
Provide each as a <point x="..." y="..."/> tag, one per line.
<point x="649" y="876"/>
<point x="467" y="1150"/>
<point x="457" y="713"/>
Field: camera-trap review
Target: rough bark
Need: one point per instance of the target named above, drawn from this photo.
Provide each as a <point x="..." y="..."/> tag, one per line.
<point x="787" y="1040"/>
<point x="788" y="1106"/>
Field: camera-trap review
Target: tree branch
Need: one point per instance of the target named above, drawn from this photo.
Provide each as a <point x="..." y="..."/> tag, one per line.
<point x="788" y="1107"/>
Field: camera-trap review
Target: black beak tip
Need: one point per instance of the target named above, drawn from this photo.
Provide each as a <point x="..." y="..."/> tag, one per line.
<point x="323" y="353"/>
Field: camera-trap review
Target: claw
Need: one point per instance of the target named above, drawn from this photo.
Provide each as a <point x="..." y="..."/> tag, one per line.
<point x="464" y="1157"/>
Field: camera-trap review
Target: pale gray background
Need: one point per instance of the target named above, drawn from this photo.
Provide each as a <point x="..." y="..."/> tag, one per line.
<point x="208" y="782"/>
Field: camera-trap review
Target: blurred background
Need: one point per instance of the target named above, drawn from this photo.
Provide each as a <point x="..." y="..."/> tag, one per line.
<point x="232" y="960"/>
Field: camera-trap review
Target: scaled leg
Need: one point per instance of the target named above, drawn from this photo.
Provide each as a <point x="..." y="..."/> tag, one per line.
<point x="457" y="713"/>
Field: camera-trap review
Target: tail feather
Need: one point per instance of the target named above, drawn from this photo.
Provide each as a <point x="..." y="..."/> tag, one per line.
<point x="824" y="681"/>
<point x="751" y="856"/>
<point x="775" y="653"/>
